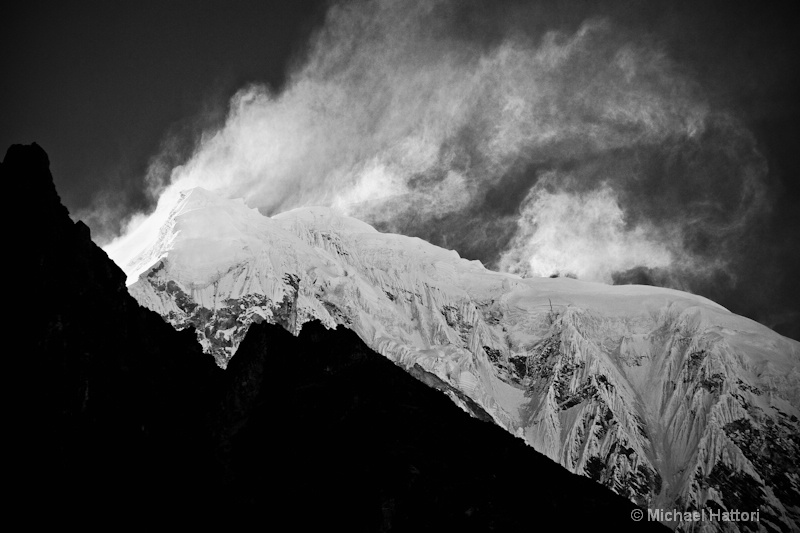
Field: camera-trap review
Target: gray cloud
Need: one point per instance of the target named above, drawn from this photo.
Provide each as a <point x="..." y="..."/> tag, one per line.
<point x="587" y="151"/>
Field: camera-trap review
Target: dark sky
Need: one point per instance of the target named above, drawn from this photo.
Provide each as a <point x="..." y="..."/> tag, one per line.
<point x="102" y="85"/>
<point x="99" y="84"/>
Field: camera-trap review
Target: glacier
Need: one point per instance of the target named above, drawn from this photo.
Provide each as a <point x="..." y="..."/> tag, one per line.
<point x="665" y="397"/>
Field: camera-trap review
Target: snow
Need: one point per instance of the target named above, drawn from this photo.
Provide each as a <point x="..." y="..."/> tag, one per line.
<point x="655" y="371"/>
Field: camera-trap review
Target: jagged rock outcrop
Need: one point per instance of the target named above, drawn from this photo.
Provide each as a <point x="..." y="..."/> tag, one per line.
<point x="651" y="392"/>
<point x="118" y="418"/>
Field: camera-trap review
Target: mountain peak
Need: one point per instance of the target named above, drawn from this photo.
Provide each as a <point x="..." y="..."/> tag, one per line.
<point x="217" y="207"/>
<point x="649" y="391"/>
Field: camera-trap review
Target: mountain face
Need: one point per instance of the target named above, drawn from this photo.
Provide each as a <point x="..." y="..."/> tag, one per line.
<point x="116" y="418"/>
<point x="106" y="402"/>
<point x="664" y="397"/>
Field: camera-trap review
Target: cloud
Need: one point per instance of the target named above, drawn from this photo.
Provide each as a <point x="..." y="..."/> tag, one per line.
<point x="588" y="151"/>
<point x="581" y="234"/>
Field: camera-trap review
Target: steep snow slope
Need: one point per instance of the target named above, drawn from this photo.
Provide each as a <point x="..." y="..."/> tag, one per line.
<point x="665" y="397"/>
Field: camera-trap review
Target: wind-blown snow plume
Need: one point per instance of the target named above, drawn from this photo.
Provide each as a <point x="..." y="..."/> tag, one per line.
<point x="589" y="152"/>
<point x="579" y="234"/>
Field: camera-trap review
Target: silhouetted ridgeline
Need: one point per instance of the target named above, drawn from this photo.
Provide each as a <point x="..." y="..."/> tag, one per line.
<point x="108" y="400"/>
<point x="112" y="415"/>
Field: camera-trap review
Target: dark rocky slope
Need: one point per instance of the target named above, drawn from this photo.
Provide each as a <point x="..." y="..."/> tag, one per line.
<point x="114" y="416"/>
<point x="107" y="401"/>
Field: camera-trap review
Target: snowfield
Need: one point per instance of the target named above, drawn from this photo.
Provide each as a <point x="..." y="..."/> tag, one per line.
<point x="663" y="396"/>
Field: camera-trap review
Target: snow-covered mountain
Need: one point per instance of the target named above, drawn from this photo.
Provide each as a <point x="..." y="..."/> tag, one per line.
<point x="665" y="397"/>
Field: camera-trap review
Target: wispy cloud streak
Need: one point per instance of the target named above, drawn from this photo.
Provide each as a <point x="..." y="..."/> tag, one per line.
<point x="590" y="152"/>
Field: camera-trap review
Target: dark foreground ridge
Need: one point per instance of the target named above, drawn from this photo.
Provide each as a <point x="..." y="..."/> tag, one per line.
<point x="115" y="417"/>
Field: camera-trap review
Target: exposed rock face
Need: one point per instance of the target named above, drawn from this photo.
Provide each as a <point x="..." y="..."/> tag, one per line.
<point x="117" y="417"/>
<point x="651" y="392"/>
